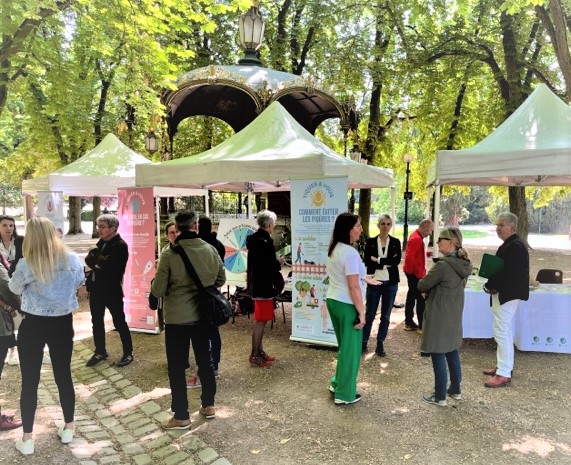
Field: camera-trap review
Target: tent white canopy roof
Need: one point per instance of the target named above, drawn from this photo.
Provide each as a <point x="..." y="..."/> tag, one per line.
<point x="110" y="165"/>
<point x="530" y="148"/>
<point x="263" y="157"/>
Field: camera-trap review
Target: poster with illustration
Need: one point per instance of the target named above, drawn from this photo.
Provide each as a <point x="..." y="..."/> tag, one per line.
<point x="137" y="228"/>
<point x="315" y="204"/>
<point x="233" y="233"/>
<point x="50" y="205"/>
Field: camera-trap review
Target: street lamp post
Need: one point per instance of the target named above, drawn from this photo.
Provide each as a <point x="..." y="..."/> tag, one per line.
<point x="151" y="142"/>
<point x="355" y="156"/>
<point x="407" y="196"/>
<point x="251" y="26"/>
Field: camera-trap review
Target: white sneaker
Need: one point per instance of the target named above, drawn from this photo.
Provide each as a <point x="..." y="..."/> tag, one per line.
<point x="66" y="435"/>
<point x="25" y="447"/>
<point x="13" y="359"/>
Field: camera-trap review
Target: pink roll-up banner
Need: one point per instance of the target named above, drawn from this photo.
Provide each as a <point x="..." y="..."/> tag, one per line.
<point x="137" y="228"/>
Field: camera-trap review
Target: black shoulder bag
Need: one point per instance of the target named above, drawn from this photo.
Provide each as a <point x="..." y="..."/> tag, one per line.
<point x="213" y="307"/>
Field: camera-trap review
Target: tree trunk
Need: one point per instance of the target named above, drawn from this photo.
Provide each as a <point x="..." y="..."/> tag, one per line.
<point x="514" y="73"/>
<point x="28" y="207"/>
<point x="365" y="210"/>
<point x="74" y="214"/>
<point x="96" y="213"/>
<point x="518" y="207"/>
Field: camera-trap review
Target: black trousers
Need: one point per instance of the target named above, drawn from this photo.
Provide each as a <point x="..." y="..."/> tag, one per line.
<point x="34" y="333"/>
<point x="99" y="299"/>
<point x="177" y="343"/>
<point x="412" y="297"/>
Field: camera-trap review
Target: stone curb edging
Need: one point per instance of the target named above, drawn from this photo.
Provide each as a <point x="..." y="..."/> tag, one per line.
<point x="115" y="422"/>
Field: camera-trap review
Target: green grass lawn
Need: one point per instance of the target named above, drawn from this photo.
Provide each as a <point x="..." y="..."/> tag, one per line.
<point x="467" y="233"/>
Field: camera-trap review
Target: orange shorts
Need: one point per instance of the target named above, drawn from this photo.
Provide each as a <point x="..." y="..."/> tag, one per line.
<point x="264" y="310"/>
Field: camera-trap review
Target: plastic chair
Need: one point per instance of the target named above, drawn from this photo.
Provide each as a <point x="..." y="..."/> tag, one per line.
<point x="240" y="294"/>
<point x="549" y="276"/>
<point x="280" y="299"/>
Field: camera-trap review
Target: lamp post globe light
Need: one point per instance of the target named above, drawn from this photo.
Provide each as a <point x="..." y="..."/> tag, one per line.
<point x="251" y="28"/>
<point x="408" y="158"/>
<point x="151" y="142"/>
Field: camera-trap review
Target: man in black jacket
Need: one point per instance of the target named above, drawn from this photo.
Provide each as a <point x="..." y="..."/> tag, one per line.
<point x="105" y="286"/>
<point x="507" y="287"/>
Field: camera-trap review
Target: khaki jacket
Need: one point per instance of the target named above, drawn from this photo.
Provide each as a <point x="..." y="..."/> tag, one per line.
<point x="174" y="283"/>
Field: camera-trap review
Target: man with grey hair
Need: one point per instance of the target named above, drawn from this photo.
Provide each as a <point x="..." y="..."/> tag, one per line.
<point x="183" y="324"/>
<point x="507" y="288"/>
<point x="263" y="267"/>
<point x="107" y="262"/>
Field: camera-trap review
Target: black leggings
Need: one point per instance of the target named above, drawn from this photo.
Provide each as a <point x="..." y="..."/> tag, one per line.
<point x="34" y="333"/>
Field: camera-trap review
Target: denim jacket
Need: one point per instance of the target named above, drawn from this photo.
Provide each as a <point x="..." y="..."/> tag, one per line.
<point x="55" y="298"/>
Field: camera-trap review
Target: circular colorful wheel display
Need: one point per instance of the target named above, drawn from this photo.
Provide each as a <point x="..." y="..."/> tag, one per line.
<point x="236" y="251"/>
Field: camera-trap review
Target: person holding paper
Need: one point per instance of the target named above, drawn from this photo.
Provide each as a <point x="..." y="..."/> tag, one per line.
<point x="442" y="327"/>
<point x="507" y="287"/>
<point x="382" y="257"/>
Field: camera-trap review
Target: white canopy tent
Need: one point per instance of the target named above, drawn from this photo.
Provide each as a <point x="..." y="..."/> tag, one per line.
<point x="530" y="148"/>
<point x="264" y="157"/>
<point x="110" y="165"/>
<point x="100" y="172"/>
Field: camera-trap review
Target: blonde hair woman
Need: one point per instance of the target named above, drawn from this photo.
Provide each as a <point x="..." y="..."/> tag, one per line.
<point x="442" y="326"/>
<point x="47" y="278"/>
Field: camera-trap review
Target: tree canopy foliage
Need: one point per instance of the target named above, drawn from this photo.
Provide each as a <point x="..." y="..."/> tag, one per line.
<point x="423" y="74"/>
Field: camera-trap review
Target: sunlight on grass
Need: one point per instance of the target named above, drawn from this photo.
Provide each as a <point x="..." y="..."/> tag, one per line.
<point x="467" y="233"/>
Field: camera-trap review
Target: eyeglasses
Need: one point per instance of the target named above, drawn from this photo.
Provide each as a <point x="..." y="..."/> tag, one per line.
<point x="443" y="239"/>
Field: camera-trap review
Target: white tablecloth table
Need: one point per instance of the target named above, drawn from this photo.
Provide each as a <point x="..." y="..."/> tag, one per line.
<point x="542" y="324"/>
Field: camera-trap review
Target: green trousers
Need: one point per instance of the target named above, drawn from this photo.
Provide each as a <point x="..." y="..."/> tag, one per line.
<point x="349" y="341"/>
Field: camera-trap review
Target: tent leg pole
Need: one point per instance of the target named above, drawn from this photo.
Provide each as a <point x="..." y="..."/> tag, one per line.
<point x="436" y="217"/>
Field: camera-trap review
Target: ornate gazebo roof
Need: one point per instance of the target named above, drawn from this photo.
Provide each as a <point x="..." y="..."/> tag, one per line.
<point x="237" y="94"/>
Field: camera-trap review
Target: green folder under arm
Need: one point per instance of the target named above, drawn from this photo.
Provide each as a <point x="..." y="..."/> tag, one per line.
<point x="490" y="265"/>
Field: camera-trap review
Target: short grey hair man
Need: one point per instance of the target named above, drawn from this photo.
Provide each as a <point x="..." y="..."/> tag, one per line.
<point x="266" y="217"/>
<point x="508" y="218"/>
<point x="109" y="218"/>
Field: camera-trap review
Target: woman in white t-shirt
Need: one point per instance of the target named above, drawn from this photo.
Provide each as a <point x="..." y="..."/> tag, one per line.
<point x="345" y="303"/>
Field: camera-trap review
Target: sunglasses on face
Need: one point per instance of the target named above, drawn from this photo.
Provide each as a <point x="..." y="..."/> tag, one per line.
<point x="443" y="239"/>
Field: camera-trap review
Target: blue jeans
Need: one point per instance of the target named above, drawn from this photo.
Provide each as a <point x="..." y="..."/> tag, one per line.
<point x="387" y="292"/>
<point x="441" y="376"/>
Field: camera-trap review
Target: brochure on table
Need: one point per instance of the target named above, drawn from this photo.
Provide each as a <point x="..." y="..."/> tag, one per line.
<point x="315" y="204"/>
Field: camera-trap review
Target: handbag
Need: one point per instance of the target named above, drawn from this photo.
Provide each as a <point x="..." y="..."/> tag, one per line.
<point x="278" y="283"/>
<point x="16" y="315"/>
<point x="214" y="308"/>
<point x="17" y="318"/>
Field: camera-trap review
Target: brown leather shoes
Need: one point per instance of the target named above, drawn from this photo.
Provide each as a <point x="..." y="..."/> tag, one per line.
<point x="497" y="381"/>
<point x="492" y="371"/>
